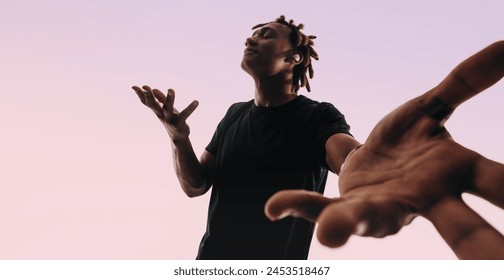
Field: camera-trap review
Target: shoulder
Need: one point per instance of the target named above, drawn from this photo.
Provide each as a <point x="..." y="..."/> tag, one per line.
<point x="325" y="115"/>
<point x="237" y="107"/>
<point x="235" y="111"/>
<point x="318" y="106"/>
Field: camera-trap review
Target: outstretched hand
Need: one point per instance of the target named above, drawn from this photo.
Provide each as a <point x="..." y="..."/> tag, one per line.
<point x="410" y="166"/>
<point x="173" y="120"/>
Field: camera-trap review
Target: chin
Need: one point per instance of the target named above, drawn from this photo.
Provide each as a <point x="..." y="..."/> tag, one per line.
<point x="246" y="67"/>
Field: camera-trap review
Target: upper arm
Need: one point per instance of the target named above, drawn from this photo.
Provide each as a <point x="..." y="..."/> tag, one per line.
<point x="337" y="147"/>
<point x="208" y="163"/>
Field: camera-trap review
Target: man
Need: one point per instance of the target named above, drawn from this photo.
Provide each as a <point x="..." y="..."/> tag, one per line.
<point x="279" y="140"/>
<point x="410" y="166"/>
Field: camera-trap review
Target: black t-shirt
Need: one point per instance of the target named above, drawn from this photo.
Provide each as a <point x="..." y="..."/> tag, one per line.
<point x="259" y="151"/>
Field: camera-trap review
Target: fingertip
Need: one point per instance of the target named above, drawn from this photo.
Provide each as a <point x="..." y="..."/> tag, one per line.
<point x="171" y="92"/>
<point x="195" y="103"/>
<point x="270" y="215"/>
<point x="274" y="208"/>
<point x="335" y="233"/>
<point x="361" y="229"/>
<point x="278" y="217"/>
<point x="272" y="211"/>
<point x="337" y="223"/>
<point x="334" y="242"/>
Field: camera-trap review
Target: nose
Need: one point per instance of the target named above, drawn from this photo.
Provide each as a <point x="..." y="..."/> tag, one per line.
<point x="250" y="42"/>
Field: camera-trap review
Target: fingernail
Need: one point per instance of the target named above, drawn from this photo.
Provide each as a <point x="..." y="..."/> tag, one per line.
<point x="361" y="228"/>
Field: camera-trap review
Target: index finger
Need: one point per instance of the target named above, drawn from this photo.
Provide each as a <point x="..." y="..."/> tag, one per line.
<point x="159" y="95"/>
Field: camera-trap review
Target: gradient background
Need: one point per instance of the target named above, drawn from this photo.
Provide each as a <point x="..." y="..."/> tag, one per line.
<point x="86" y="169"/>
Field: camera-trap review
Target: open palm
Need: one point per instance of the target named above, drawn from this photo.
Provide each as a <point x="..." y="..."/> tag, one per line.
<point x="410" y="166"/>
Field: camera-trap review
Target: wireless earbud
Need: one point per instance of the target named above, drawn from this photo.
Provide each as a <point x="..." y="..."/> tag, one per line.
<point x="296" y="57"/>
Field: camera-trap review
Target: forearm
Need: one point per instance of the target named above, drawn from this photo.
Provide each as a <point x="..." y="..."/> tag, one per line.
<point x="191" y="173"/>
<point x="473" y="75"/>
<point x="338" y="146"/>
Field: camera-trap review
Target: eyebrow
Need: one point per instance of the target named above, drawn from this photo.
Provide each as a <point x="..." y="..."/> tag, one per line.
<point x="264" y="28"/>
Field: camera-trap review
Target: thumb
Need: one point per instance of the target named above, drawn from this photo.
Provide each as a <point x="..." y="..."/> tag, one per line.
<point x="297" y="203"/>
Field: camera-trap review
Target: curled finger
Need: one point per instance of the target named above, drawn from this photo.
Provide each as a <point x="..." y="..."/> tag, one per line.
<point x="160" y="97"/>
<point x="152" y="103"/>
<point x="140" y="93"/>
<point x="168" y="103"/>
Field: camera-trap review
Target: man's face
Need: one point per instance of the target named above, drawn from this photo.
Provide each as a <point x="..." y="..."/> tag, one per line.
<point x="266" y="50"/>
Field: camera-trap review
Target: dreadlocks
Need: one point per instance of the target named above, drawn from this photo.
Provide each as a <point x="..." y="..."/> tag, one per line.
<point x="303" y="44"/>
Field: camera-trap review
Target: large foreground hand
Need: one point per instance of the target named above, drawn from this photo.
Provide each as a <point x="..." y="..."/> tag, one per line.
<point x="410" y="166"/>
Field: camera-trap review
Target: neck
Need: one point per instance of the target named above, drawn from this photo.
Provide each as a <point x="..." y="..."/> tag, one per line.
<point x="273" y="92"/>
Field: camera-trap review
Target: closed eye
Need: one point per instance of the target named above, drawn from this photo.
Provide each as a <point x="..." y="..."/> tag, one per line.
<point x="265" y="32"/>
<point x="268" y="33"/>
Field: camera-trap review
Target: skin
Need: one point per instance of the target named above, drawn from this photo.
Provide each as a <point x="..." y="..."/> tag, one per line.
<point x="410" y="166"/>
<point x="194" y="175"/>
<point x="269" y="59"/>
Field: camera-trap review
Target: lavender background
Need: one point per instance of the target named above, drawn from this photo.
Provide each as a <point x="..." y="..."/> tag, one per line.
<point x="86" y="169"/>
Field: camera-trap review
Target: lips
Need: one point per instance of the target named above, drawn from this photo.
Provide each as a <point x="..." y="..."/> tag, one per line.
<point x="249" y="49"/>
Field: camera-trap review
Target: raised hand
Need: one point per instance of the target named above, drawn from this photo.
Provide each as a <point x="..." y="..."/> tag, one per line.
<point x="173" y="120"/>
<point x="410" y="166"/>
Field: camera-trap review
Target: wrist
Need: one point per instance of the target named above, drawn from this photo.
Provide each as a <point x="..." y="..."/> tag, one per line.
<point x="180" y="141"/>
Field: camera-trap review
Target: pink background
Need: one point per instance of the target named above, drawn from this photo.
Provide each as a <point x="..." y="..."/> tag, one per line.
<point x="86" y="169"/>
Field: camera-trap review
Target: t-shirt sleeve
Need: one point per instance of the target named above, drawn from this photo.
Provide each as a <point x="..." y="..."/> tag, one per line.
<point x="329" y="122"/>
<point x="213" y="146"/>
